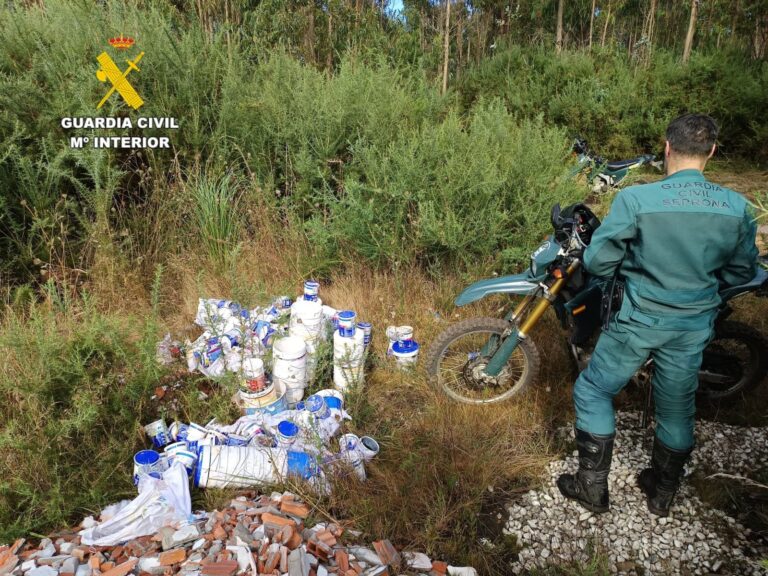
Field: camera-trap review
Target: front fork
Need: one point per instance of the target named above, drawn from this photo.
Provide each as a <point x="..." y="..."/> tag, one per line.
<point x="508" y="345"/>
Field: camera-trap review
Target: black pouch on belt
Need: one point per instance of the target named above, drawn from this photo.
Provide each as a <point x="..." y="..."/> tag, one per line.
<point x="612" y="298"/>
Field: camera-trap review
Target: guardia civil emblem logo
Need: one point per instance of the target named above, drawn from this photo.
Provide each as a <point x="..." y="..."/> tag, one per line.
<point x="110" y="72"/>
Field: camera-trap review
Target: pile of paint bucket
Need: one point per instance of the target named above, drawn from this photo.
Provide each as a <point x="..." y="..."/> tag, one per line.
<point x="402" y="347"/>
<point x="274" y="350"/>
<point x="258" y="448"/>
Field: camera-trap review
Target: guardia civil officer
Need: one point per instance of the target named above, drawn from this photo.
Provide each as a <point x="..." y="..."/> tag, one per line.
<point x="675" y="243"/>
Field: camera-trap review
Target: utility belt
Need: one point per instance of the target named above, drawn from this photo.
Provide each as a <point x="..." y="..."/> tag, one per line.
<point x="617" y="302"/>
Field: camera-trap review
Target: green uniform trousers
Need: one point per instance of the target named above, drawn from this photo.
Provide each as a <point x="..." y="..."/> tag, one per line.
<point x="620" y="352"/>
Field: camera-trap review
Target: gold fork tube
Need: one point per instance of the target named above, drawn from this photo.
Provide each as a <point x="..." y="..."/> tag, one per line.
<point x="545" y="302"/>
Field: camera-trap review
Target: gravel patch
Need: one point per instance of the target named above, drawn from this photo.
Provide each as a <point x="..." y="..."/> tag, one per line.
<point x="694" y="539"/>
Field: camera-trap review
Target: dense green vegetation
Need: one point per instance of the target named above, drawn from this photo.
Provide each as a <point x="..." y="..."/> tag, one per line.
<point x="360" y="150"/>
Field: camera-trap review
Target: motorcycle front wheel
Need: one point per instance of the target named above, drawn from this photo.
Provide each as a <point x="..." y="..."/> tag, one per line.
<point x="734" y="362"/>
<point x="457" y="359"/>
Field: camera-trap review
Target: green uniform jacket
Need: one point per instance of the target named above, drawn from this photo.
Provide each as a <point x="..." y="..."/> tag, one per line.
<point x="677" y="243"/>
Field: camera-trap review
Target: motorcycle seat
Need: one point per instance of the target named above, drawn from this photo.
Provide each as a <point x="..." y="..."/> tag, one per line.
<point x="621" y="164"/>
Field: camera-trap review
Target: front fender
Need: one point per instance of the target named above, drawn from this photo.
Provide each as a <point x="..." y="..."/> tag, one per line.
<point x="515" y="284"/>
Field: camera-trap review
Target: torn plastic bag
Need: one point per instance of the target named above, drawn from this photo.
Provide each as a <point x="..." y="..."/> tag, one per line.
<point x="160" y="503"/>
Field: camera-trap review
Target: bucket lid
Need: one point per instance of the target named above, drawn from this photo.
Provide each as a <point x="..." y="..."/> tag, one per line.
<point x="405" y="347"/>
<point x="347" y="316"/>
<point x="287" y="428"/>
<point x="290" y="347"/>
<point x="143" y="457"/>
<point x="315" y="403"/>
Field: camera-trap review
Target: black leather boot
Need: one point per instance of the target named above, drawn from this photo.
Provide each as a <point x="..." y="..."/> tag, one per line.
<point x="661" y="481"/>
<point x="589" y="486"/>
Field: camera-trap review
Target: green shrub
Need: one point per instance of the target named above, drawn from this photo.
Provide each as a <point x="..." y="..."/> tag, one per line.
<point x="75" y="386"/>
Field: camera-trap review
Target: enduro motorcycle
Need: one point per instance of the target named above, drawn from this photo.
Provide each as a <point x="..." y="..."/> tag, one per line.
<point x="488" y="360"/>
<point x="602" y="174"/>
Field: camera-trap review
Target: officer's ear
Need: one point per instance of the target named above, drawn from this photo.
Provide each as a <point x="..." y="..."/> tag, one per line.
<point x="667" y="149"/>
<point x="712" y="152"/>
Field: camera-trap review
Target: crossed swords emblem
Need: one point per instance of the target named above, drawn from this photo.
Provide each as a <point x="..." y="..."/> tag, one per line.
<point x="110" y="71"/>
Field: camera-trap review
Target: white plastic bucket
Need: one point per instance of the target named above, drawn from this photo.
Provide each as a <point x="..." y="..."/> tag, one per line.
<point x="368" y="448"/>
<point x="348" y="358"/>
<point x="188" y="459"/>
<point x="306" y="320"/>
<point x="158" y="433"/>
<point x="366" y="327"/>
<point x="258" y="399"/>
<point x="345" y="377"/>
<point x="172" y="449"/>
<point x="266" y="403"/>
<point x="289" y="370"/>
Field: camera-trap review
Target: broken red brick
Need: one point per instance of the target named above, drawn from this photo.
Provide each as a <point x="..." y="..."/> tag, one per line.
<point x="295" y="509"/>
<point x="273" y="559"/>
<point x="388" y="554"/>
<point x="223" y="568"/>
<point x="439" y="568"/>
<point x="294" y="541"/>
<point x="176" y="556"/>
<point x="327" y="537"/>
<point x="342" y="559"/>
<point x="276" y="521"/>
<point x="107" y="566"/>
<point x="219" y="533"/>
<point x="8" y="563"/>
<point x="122" y="569"/>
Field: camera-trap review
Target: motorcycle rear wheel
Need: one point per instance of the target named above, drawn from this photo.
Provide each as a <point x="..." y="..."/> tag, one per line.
<point x="454" y="363"/>
<point x="735" y="361"/>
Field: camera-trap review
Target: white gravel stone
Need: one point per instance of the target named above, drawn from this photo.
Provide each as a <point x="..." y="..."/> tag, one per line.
<point x="694" y="539"/>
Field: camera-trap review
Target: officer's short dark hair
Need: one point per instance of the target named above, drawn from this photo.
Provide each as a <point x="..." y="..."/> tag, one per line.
<point x="692" y="134"/>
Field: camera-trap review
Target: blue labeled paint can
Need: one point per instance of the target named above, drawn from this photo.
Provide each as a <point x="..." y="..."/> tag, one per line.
<point x="366" y="327"/>
<point x="144" y="462"/>
<point x="287" y="432"/>
<point x="311" y="290"/>
<point x="347" y="323"/>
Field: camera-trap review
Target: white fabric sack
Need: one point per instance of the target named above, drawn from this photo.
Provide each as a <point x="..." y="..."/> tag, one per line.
<point x="160" y="503"/>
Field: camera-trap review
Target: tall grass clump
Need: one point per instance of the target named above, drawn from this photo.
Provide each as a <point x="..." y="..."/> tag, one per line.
<point x="217" y="217"/>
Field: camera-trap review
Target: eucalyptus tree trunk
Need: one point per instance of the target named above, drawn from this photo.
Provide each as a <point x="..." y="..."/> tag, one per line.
<point x="559" y="32"/>
<point x="605" y="26"/>
<point x="591" y="24"/>
<point x="691" y="31"/>
<point x="446" y="44"/>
